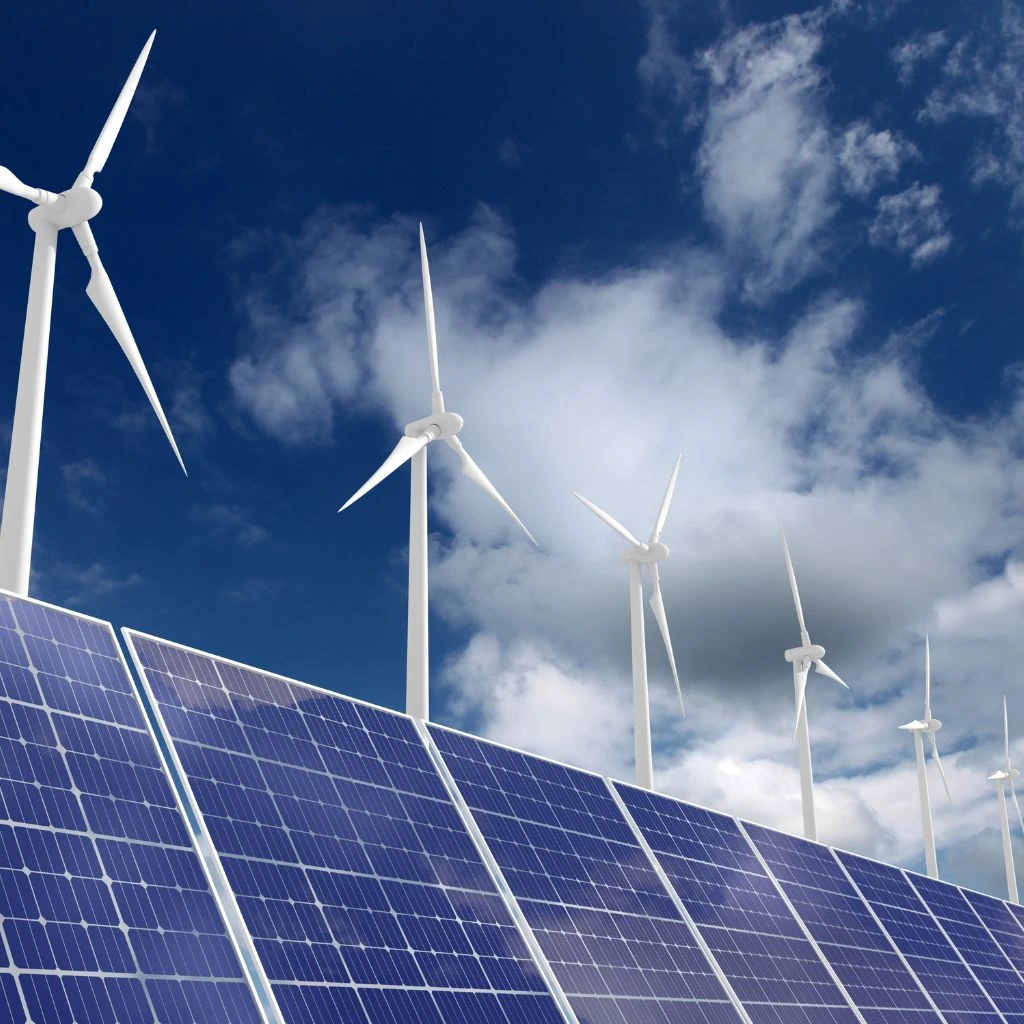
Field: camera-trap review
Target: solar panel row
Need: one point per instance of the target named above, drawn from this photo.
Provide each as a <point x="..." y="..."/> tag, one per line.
<point x="372" y="869"/>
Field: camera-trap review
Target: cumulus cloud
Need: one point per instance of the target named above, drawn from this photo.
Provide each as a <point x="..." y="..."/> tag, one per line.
<point x="868" y="159"/>
<point x="913" y="221"/>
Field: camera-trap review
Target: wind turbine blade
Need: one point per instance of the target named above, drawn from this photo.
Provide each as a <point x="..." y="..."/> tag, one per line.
<point x="428" y="305"/>
<point x="476" y="474"/>
<point x="1013" y="793"/>
<point x="927" y="679"/>
<point x="101" y="293"/>
<point x="607" y="519"/>
<point x="16" y="187"/>
<point x="406" y="448"/>
<point x="820" y="666"/>
<point x="657" y="604"/>
<point x="666" y="501"/>
<point x="1006" y="733"/>
<point x="793" y="587"/>
<point x="108" y="136"/>
<point x="938" y="764"/>
<point x="801" y="700"/>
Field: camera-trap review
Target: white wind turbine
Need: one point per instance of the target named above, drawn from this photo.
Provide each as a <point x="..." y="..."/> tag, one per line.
<point x="649" y="554"/>
<point x="927" y="726"/>
<point x="1003" y="775"/>
<point x="440" y="425"/>
<point x="802" y="658"/>
<point x="71" y="209"/>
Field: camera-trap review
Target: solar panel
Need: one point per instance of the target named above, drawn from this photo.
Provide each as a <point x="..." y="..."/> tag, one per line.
<point x="107" y="917"/>
<point x="755" y="937"/>
<point x="1002" y="925"/>
<point x="966" y="931"/>
<point x="853" y="942"/>
<point x="612" y="933"/>
<point x="364" y="892"/>
<point x="945" y="976"/>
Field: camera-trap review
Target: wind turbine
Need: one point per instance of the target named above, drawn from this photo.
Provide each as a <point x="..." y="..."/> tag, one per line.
<point x="802" y="658"/>
<point x="71" y="209"/>
<point x="1003" y="775"/>
<point x="649" y="554"/>
<point x="927" y="726"/>
<point x="440" y="425"/>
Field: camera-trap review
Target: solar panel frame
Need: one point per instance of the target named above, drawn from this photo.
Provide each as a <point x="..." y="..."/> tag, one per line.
<point x="129" y="715"/>
<point x="730" y="1001"/>
<point x="855" y="895"/>
<point x="765" y="870"/>
<point x="1003" y="925"/>
<point x="334" y="695"/>
<point x="952" y="1015"/>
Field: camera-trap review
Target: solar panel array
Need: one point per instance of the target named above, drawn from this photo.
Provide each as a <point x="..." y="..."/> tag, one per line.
<point x="363" y="890"/>
<point x="376" y="872"/>
<point x="918" y="936"/>
<point x="618" y="945"/>
<point x="869" y="966"/>
<point x="774" y="969"/>
<point x="107" y="917"/>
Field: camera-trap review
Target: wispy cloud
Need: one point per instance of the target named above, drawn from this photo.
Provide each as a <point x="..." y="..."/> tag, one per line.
<point x="82" y="480"/>
<point x="921" y="47"/>
<point x="160" y="107"/>
<point x="868" y="159"/>
<point x="914" y="222"/>
<point x="230" y="521"/>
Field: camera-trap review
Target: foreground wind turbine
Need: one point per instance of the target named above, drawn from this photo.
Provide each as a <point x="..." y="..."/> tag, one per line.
<point x="1003" y="775"/>
<point x="802" y="658"/>
<point x="71" y="209"/>
<point x="649" y="554"/>
<point x="927" y="726"/>
<point x="438" y="426"/>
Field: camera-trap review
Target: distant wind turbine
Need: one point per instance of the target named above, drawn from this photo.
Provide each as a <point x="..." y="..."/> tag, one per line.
<point x="927" y="726"/>
<point x="438" y="426"/>
<point x="649" y="554"/>
<point x="802" y="658"/>
<point x="1003" y="775"/>
<point x="71" y="209"/>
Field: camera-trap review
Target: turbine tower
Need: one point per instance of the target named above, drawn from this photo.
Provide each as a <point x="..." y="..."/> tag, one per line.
<point x="440" y="425"/>
<point x="1001" y="776"/>
<point x="802" y="658"/>
<point x="649" y="554"/>
<point x="71" y="209"/>
<point x="927" y="726"/>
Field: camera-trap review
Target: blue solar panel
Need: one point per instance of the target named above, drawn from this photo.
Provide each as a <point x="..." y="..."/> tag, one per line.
<point x="759" y="944"/>
<point x="1002" y="925"/>
<point x="364" y="893"/>
<point x="972" y="939"/>
<point x="949" y="982"/>
<point x="612" y="934"/>
<point x="852" y="941"/>
<point x="107" y="917"/>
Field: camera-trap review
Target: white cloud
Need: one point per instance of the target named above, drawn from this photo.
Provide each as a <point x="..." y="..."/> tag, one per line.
<point x="868" y="159"/>
<point x="919" y="48"/>
<point x="913" y="221"/>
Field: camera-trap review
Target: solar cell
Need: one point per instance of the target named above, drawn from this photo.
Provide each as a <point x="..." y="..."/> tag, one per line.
<point x="106" y="916"/>
<point x="773" y="968"/>
<point x="966" y="931"/>
<point x="618" y="945"/>
<point x="365" y="894"/>
<point x="873" y="972"/>
<point x="947" y="979"/>
<point x="1002" y="925"/>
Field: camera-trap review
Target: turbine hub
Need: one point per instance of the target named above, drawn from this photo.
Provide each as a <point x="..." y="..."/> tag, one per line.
<point x="646" y="554"/>
<point x="441" y="425"/>
<point x="810" y="652"/>
<point x="70" y="208"/>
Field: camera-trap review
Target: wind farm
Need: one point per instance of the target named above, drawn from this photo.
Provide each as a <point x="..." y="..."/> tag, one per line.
<point x="536" y="834"/>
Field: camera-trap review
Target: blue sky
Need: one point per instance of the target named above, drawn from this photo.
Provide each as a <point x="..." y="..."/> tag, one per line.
<point x="783" y="239"/>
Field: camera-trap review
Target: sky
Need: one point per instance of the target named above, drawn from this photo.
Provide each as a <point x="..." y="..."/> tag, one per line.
<point x="783" y="240"/>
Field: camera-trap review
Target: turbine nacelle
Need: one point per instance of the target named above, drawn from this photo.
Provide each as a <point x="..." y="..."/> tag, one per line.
<point x="924" y="726"/>
<point x="69" y="209"/>
<point x="440" y="426"/>
<point x="646" y="554"/>
<point x="1002" y="774"/>
<point x="808" y="653"/>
